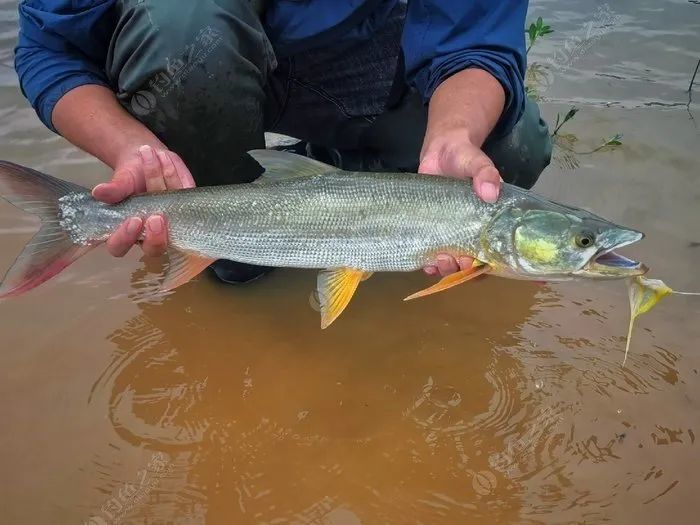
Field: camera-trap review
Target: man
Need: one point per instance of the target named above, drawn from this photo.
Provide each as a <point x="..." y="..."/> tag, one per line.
<point x="171" y="93"/>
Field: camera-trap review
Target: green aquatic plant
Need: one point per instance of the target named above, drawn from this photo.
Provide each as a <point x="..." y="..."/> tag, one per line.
<point x="568" y="140"/>
<point x="567" y="156"/>
<point x="538" y="75"/>
<point x="569" y="115"/>
<point x="536" y="30"/>
<point x="690" y="93"/>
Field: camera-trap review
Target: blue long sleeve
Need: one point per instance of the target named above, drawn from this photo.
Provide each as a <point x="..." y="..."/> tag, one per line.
<point x="62" y="45"/>
<point x="442" y="37"/>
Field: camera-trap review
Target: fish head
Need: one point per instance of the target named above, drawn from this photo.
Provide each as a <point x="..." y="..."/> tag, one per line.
<point x="558" y="243"/>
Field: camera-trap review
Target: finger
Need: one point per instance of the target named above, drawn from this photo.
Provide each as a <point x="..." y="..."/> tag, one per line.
<point x="152" y="171"/>
<point x="431" y="270"/>
<point x="124" y="183"/>
<point x="182" y="171"/>
<point x="124" y="237"/>
<point x="487" y="183"/>
<point x="446" y="264"/>
<point x="172" y="181"/>
<point x="429" y="165"/>
<point x="155" y="242"/>
<point x="465" y="262"/>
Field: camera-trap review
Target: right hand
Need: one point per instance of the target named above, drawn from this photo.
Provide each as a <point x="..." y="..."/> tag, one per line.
<point x="147" y="169"/>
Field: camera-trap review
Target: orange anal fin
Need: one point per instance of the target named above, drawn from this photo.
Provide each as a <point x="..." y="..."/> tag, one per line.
<point x="335" y="290"/>
<point x="183" y="267"/>
<point x="451" y="280"/>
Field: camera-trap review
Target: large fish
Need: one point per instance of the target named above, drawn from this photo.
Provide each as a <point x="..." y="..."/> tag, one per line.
<point x="305" y="214"/>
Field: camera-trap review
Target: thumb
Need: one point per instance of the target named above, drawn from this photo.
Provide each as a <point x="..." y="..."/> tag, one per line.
<point x="487" y="183"/>
<point x="125" y="182"/>
<point x="480" y="168"/>
<point x="429" y="165"/>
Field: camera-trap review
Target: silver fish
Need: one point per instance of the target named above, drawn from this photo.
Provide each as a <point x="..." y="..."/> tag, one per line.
<point x="305" y="214"/>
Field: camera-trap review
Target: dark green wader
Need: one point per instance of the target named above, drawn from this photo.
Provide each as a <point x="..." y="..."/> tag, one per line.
<point x="204" y="78"/>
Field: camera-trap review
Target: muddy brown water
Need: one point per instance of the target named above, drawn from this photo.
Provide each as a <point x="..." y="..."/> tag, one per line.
<point x="496" y="402"/>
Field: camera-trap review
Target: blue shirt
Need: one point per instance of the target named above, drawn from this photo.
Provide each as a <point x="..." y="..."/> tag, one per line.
<point x="63" y="43"/>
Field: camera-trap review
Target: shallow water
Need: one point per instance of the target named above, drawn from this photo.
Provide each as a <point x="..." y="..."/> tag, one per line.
<point x="496" y="402"/>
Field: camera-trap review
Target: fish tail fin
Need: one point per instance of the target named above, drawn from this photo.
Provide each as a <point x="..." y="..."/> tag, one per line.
<point x="51" y="249"/>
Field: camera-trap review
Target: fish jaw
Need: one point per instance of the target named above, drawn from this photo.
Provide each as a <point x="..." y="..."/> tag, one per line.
<point x="608" y="264"/>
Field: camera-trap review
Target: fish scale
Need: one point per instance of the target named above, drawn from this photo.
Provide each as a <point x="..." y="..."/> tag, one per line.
<point x="337" y="219"/>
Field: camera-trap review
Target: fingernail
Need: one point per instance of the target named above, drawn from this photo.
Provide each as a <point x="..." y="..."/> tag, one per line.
<point x="147" y="153"/>
<point x="443" y="258"/>
<point x="155" y="225"/>
<point x="431" y="270"/>
<point x="489" y="191"/>
<point x="133" y="226"/>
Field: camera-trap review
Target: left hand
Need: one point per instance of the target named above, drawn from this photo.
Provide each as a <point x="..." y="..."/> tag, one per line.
<point x="453" y="154"/>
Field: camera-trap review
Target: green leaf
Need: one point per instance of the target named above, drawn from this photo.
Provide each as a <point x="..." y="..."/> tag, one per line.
<point x="570" y="114"/>
<point x="616" y="140"/>
<point x="532" y="33"/>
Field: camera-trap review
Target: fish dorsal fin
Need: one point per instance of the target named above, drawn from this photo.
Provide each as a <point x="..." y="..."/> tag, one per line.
<point x="183" y="267"/>
<point x="335" y="289"/>
<point x="280" y="165"/>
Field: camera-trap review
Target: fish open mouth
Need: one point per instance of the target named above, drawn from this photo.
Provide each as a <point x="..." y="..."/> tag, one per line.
<point x="615" y="260"/>
<point x="608" y="263"/>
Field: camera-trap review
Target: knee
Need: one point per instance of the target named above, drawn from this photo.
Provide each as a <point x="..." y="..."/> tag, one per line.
<point x="526" y="151"/>
<point x="172" y="48"/>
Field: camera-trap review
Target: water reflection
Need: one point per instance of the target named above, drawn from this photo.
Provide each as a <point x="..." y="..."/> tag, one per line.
<point x="248" y="405"/>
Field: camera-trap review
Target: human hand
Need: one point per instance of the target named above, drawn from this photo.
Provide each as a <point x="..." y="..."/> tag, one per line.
<point x="145" y="170"/>
<point x="453" y="154"/>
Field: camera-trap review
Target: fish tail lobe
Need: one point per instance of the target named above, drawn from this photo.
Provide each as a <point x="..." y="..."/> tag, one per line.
<point x="51" y="250"/>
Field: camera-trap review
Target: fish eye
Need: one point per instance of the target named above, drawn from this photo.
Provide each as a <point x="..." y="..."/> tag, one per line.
<point x="584" y="240"/>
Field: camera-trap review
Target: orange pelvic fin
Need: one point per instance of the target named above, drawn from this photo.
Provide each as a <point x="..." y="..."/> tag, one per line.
<point x="451" y="280"/>
<point x="183" y="267"/>
<point x="335" y="290"/>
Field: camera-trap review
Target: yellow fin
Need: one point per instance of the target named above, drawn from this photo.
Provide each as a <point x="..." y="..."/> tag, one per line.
<point x="451" y="280"/>
<point x="183" y="267"/>
<point x="644" y="293"/>
<point x="335" y="289"/>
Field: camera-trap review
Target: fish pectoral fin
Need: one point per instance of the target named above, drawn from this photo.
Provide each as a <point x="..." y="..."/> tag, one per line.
<point x="183" y="267"/>
<point x="335" y="289"/>
<point x="451" y="280"/>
